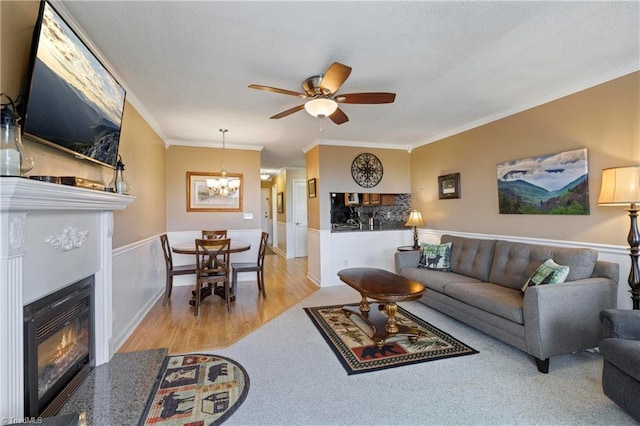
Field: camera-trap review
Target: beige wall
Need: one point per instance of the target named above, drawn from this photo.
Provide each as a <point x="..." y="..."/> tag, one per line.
<point x="143" y="154"/>
<point x="141" y="148"/>
<point x="333" y="167"/>
<point x="604" y="119"/>
<point x="181" y="159"/>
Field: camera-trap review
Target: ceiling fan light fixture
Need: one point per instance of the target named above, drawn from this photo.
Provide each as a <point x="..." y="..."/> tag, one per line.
<point x="321" y="107"/>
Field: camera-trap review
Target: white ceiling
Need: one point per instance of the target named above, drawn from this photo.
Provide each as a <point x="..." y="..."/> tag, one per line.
<point x="453" y="65"/>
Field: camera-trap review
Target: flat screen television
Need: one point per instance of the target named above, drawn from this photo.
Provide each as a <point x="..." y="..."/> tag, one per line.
<point x="72" y="101"/>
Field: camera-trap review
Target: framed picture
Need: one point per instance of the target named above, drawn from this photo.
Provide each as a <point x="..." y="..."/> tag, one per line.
<point x="311" y="188"/>
<point x="449" y="186"/>
<point x="555" y="184"/>
<point x="280" y="202"/>
<point x="207" y="192"/>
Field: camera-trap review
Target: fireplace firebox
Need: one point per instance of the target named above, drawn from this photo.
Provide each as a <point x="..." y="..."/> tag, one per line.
<point x="58" y="355"/>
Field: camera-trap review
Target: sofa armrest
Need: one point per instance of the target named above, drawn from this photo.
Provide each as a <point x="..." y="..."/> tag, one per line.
<point x="620" y="323"/>
<point x="405" y="259"/>
<point x="605" y="269"/>
<point x="565" y="317"/>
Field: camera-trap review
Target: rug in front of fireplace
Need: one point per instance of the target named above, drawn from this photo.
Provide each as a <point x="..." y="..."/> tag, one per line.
<point x="357" y="352"/>
<point x="196" y="389"/>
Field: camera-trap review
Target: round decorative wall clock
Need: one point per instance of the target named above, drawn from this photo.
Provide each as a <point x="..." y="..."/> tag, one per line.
<point x="366" y="170"/>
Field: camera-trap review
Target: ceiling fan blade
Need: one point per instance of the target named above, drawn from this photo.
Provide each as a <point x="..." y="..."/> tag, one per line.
<point x="289" y="111"/>
<point x="276" y="90"/>
<point x="335" y="76"/>
<point x="366" y="98"/>
<point x="339" y="117"/>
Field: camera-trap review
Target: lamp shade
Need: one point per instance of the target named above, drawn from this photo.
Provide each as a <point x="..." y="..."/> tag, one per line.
<point x="321" y="107"/>
<point x="620" y="186"/>
<point x="415" y="219"/>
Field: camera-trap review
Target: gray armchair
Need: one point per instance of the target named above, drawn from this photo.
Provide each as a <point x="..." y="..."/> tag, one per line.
<point x="620" y="349"/>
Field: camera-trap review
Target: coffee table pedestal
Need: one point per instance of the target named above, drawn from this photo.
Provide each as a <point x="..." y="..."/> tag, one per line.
<point x="384" y="326"/>
<point x="387" y="288"/>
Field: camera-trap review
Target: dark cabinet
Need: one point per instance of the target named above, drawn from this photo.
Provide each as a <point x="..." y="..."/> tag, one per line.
<point x="387" y="199"/>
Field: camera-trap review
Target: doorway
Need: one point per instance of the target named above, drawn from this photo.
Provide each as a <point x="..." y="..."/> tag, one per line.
<point x="300" y="218"/>
<point x="265" y="213"/>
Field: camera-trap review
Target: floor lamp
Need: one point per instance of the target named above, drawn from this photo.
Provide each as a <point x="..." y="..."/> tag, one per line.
<point x="621" y="187"/>
<point x="415" y="220"/>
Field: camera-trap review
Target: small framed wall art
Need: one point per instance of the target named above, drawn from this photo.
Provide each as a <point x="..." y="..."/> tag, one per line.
<point x="311" y="188"/>
<point x="280" y="202"/>
<point x="449" y="186"/>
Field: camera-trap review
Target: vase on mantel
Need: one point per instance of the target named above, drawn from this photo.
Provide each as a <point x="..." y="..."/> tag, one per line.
<point x="15" y="159"/>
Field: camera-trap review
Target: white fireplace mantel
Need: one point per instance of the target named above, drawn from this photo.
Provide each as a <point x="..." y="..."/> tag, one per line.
<point x="50" y="236"/>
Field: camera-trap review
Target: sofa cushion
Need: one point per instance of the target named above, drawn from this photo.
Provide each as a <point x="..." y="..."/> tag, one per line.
<point x="547" y="273"/>
<point x="435" y="256"/>
<point x="513" y="263"/>
<point x="435" y="280"/>
<point x="495" y="299"/>
<point x="471" y="256"/>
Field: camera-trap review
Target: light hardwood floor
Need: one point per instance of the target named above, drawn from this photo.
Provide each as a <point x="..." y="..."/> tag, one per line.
<point x="174" y="326"/>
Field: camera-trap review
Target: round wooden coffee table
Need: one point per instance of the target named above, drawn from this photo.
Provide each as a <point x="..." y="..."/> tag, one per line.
<point x="385" y="287"/>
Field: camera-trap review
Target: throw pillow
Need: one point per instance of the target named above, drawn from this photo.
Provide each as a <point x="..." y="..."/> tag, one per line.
<point x="547" y="273"/>
<point x="435" y="256"/>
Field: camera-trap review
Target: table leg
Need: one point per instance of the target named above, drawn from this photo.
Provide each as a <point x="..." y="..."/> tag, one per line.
<point x="384" y="326"/>
<point x="392" y="326"/>
<point x="364" y="304"/>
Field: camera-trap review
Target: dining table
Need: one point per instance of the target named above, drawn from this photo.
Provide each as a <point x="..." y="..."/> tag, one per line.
<point x="190" y="248"/>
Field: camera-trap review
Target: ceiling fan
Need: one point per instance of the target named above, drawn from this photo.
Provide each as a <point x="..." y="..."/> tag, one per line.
<point x="322" y="100"/>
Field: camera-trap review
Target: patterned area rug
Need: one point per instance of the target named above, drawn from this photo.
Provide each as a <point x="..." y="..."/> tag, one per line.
<point x="350" y="341"/>
<point x="196" y="390"/>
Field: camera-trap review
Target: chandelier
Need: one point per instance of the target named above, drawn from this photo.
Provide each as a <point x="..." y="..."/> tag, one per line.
<point x="223" y="186"/>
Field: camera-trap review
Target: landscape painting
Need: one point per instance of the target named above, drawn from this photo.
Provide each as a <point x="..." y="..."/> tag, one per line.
<point x="550" y="184"/>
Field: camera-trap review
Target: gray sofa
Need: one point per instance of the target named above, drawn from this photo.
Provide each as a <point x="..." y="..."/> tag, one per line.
<point x="483" y="290"/>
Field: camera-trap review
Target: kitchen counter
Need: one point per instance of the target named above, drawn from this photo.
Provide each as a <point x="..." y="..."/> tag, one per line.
<point x="383" y="226"/>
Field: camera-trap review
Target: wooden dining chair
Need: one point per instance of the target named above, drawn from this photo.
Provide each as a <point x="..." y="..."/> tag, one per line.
<point x="212" y="268"/>
<point x="214" y="235"/>
<point x="257" y="267"/>
<point x="172" y="270"/>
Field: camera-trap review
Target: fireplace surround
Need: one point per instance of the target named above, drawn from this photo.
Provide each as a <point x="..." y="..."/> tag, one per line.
<point x="51" y="236"/>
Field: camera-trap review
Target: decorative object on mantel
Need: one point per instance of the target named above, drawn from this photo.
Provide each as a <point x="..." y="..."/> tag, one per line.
<point x="15" y="160"/>
<point x="621" y="187"/>
<point x="119" y="184"/>
<point x="549" y="184"/>
<point x="449" y="186"/>
<point x="77" y="181"/>
<point x="222" y="185"/>
<point x="366" y="170"/>
<point x="415" y="220"/>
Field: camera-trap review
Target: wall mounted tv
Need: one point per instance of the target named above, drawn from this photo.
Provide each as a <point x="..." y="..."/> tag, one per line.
<point x="72" y="102"/>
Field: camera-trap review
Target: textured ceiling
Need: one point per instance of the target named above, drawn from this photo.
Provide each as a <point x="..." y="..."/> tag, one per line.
<point x="453" y="65"/>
